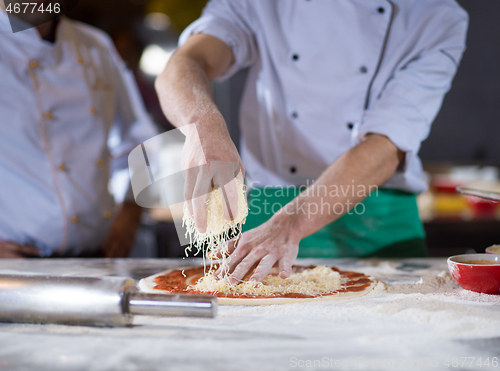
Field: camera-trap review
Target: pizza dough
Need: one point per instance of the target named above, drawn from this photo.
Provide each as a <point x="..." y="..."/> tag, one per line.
<point x="173" y="281"/>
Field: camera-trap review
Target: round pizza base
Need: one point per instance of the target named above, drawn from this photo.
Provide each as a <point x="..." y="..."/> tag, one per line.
<point x="147" y="285"/>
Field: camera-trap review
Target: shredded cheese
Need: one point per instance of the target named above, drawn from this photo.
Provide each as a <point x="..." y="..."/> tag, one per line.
<point x="219" y="228"/>
<point x="317" y="281"/>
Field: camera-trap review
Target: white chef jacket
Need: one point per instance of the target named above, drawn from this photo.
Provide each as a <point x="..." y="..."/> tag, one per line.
<point x="323" y="73"/>
<point x="69" y="115"/>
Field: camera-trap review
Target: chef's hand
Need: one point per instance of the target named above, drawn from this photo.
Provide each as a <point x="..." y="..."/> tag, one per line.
<point x="11" y="250"/>
<point x="211" y="161"/>
<point x="209" y="157"/>
<point x="259" y="249"/>
<point x="122" y="236"/>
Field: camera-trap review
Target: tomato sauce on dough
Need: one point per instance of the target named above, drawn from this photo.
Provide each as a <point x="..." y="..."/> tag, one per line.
<point x="178" y="282"/>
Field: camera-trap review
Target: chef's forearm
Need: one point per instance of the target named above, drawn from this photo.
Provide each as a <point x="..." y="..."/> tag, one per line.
<point x="184" y="91"/>
<point x="184" y="86"/>
<point x="345" y="183"/>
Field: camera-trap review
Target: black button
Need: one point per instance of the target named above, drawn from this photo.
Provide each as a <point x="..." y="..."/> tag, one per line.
<point x="293" y="169"/>
<point x="350" y="125"/>
<point x="295" y="115"/>
<point x="295" y="57"/>
<point x="363" y="69"/>
<point x="381" y="10"/>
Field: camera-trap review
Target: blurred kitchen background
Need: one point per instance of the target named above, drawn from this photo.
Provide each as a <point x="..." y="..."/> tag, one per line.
<point x="462" y="148"/>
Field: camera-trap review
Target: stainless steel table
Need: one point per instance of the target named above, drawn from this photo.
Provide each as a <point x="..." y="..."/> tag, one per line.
<point x="409" y="326"/>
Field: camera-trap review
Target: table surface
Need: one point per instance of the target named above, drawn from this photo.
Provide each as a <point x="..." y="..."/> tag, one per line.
<point x="418" y="320"/>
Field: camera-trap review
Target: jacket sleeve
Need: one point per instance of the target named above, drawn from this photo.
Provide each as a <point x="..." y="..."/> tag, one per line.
<point x="229" y="21"/>
<point x="410" y="100"/>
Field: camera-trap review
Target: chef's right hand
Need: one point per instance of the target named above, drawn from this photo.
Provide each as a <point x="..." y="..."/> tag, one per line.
<point x="11" y="250"/>
<point x="211" y="161"/>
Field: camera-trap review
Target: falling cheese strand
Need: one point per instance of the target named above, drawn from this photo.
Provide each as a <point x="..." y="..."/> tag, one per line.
<point x="317" y="281"/>
<point x="219" y="228"/>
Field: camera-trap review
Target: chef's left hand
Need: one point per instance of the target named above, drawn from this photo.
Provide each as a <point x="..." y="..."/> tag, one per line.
<point x="272" y="243"/>
<point x="123" y="231"/>
<point x="11" y="250"/>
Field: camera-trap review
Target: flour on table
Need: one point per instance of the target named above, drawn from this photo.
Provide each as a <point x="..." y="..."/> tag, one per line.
<point x="442" y="282"/>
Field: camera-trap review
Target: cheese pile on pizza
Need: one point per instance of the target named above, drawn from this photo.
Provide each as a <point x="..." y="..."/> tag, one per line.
<point x="305" y="283"/>
<point x="314" y="281"/>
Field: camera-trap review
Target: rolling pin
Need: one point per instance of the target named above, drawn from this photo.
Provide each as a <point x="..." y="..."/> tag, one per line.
<point x="90" y="301"/>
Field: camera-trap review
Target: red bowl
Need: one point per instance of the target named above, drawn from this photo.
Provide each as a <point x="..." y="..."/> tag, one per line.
<point x="482" y="207"/>
<point x="476" y="277"/>
<point x="444" y="185"/>
<point x="495" y="249"/>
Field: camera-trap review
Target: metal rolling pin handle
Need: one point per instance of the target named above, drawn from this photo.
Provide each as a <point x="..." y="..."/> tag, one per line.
<point x="172" y="305"/>
<point x="89" y="301"/>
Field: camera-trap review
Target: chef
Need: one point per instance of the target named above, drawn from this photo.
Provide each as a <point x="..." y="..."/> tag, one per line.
<point x="340" y="95"/>
<point x="69" y="115"/>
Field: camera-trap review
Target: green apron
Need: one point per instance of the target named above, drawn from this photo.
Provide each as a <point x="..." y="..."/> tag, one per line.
<point x="385" y="224"/>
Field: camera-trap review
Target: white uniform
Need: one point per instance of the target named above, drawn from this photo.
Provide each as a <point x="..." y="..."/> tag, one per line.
<point x="69" y="115"/>
<point x="323" y="73"/>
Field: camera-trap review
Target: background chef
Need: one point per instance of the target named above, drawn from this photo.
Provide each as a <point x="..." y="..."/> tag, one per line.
<point x="69" y="115"/>
<point x="340" y="95"/>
